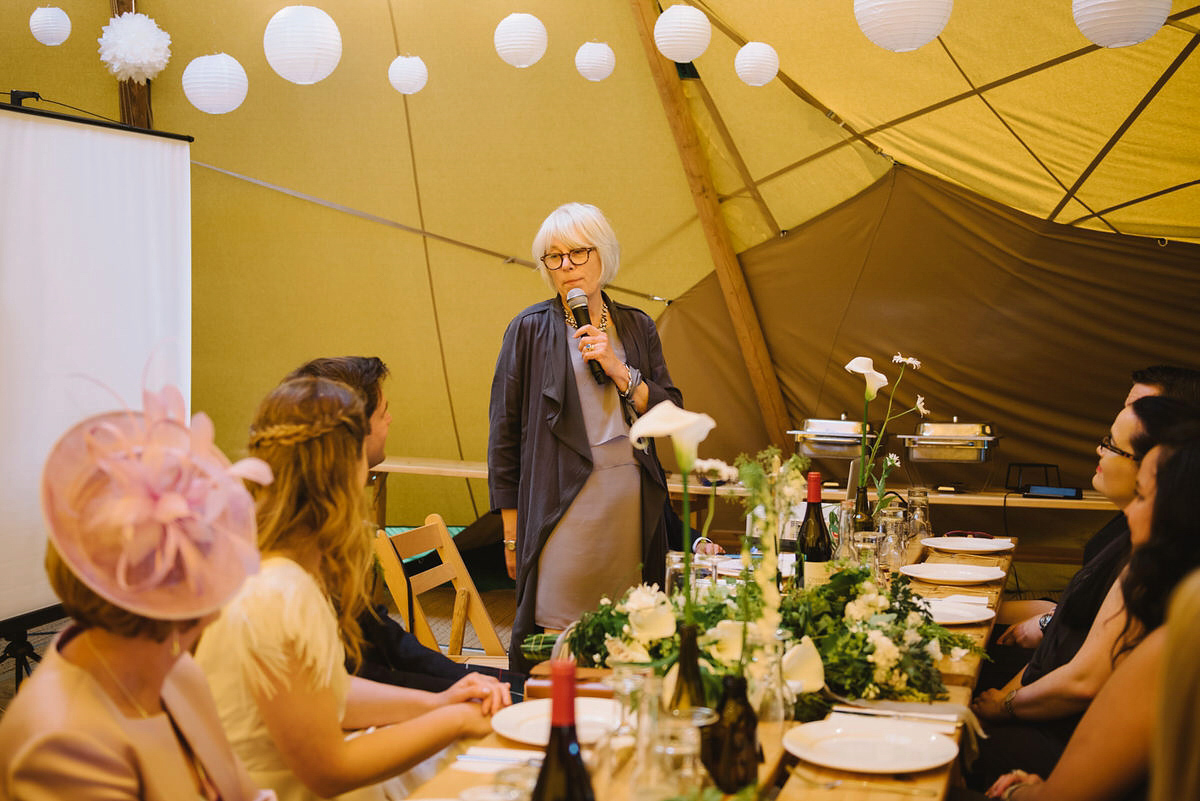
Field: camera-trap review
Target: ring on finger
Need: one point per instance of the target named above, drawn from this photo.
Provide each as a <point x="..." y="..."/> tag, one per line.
<point x="588" y="348"/>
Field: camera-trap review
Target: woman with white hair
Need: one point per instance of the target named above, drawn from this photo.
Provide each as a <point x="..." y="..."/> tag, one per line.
<point x="582" y="507"/>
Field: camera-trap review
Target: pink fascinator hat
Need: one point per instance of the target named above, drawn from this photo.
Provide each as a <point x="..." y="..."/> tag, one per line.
<point x="149" y="514"/>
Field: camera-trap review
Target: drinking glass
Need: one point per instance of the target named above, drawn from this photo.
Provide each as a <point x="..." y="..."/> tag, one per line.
<point x="673" y="767"/>
<point x="845" y="531"/>
<point x="890" y="558"/>
<point x="626" y="682"/>
<point x="919" y="526"/>
<point x="866" y="544"/>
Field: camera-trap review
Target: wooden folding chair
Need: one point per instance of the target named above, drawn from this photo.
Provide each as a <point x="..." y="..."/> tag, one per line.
<point x="393" y="549"/>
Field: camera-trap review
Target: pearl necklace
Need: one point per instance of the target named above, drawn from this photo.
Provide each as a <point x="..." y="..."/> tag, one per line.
<point x="602" y="325"/>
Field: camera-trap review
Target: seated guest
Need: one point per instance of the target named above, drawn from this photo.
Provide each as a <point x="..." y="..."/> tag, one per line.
<point x="1108" y="756"/>
<point x="1033" y="715"/>
<point x="1175" y="745"/>
<point x="151" y="531"/>
<point x="390" y="653"/>
<point x="276" y="657"/>
<point x="1029" y="619"/>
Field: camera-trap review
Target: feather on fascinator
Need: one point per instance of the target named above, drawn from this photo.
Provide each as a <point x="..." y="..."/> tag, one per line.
<point x="147" y="511"/>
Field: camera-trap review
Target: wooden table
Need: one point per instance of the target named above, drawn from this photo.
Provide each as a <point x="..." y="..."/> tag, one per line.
<point x="780" y="768"/>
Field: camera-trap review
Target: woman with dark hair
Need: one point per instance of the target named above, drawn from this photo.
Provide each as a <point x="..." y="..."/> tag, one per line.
<point x="1032" y="716"/>
<point x="1108" y="756"/>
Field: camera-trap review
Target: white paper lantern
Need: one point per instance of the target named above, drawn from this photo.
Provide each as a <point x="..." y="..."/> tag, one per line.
<point x="902" y="25"/>
<point x="520" y="40"/>
<point x="756" y="63"/>
<point x="215" y="84"/>
<point x="682" y="33"/>
<point x="302" y="44"/>
<point x="1119" y="23"/>
<point x="408" y="74"/>
<point x="595" y="60"/>
<point x="50" y="26"/>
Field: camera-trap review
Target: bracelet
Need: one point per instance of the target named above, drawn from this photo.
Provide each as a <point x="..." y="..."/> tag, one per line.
<point x="1008" y="704"/>
<point x="1044" y="620"/>
<point x="635" y="378"/>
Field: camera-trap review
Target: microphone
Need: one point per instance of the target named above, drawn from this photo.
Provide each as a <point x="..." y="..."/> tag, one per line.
<point x="578" y="304"/>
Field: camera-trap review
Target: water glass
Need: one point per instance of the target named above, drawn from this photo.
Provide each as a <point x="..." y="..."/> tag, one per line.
<point x="866" y="545"/>
<point x="673" y="767"/>
<point x="845" y="531"/>
<point x="890" y="558"/>
<point x="919" y="526"/>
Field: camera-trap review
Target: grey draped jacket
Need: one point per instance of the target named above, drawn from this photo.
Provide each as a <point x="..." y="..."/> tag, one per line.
<point x="538" y="451"/>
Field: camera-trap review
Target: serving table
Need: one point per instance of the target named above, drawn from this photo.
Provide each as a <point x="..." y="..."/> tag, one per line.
<point x="793" y="779"/>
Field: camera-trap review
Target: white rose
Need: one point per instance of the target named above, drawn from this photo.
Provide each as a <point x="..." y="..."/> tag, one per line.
<point x="934" y="649"/>
<point x="640" y="597"/>
<point x="653" y="623"/>
<point x="620" y="651"/>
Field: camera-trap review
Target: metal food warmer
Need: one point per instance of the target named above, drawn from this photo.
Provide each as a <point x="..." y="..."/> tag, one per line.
<point x="831" y="439"/>
<point x="951" y="442"/>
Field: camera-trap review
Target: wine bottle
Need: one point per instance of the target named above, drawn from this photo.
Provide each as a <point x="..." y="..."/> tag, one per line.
<point x="734" y="763"/>
<point x="813" y="539"/>
<point x="563" y="776"/>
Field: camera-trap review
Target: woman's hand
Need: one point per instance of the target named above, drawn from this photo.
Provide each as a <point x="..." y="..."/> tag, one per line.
<point x="1007" y="785"/>
<point x="989" y="705"/>
<point x="593" y="344"/>
<point x="491" y="694"/>
<point x="475" y="722"/>
<point x="1027" y="633"/>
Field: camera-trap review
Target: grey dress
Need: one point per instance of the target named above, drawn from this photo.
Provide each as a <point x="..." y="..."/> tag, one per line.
<point x="596" y="548"/>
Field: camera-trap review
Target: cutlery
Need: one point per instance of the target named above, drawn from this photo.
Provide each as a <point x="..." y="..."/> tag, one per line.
<point x="514" y="760"/>
<point x="875" y="787"/>
<point x="934" y="717"/>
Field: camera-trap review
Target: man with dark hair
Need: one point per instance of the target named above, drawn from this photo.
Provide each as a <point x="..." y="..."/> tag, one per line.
<point x="391" y="654"/>
<point x="1166" y="380"/>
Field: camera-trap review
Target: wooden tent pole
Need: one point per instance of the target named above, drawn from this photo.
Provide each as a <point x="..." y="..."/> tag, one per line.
<point x="729" y="272"/>
<point x="135" y="97"/>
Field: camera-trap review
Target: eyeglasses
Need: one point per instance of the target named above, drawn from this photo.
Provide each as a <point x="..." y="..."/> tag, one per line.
<point x="578" y="257"/>
<point x="1107" y="444"/>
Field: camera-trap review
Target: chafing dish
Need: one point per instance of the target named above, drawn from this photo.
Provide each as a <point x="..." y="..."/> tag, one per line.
<point x="831" y="439"/>
<point x="950" y="442"/>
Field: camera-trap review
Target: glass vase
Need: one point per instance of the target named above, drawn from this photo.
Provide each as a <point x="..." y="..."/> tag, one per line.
<point x="734" y="763"/>
<point x="689" y="689"/>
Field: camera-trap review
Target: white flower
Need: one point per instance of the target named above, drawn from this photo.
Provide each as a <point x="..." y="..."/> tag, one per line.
<point x="643" y="596"/>
<point x="866" y="605"/>
<point x="715" y="470"/>
<point x="802" y="665"/>
<point x="884" y="657"/>
<point x="653" y="623"/>
<point x="621" y="651"/>
<point x="958" y="653"/>
<point x="921" y="406"/>
<point x="891" y="460"/>
<point x="686" y="430"/>
<point x="724" y="642"/>
<point x="910" y="361"/>
<point x="866" y="368"/>
<point x="934" y="649"/>
<point x="605" y="601"/>
<point x="912" y="637"/>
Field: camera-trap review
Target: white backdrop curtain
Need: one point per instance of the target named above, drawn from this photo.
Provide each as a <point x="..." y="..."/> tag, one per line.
<point x="95" y="302"/>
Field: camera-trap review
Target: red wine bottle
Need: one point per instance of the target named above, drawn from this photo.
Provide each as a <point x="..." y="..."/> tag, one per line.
<point x="813" y="539"/>
<point x="563" y="776"/>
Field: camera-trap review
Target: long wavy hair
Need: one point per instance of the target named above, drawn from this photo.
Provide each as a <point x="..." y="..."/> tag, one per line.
<point x="310" y="431"/>
<point x="1173" y="549"/>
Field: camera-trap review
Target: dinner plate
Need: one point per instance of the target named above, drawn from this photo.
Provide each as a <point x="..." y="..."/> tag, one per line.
<point x="954" y="613"/>
<point x="870" y="745"/>
<point x="529" y="721"/>
<point x="732" y="565"/>
<point x="940" y="573"/>
<point x="967" y="544"/>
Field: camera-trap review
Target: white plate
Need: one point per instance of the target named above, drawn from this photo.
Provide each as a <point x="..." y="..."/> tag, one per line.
<point x="529" y="721"/>
<point x="967" y="544"/>
<point x="870" y="745"/>
<point x="953" y="613"/>
<point x="732" y="565"/>
<point x="937" y="573"/>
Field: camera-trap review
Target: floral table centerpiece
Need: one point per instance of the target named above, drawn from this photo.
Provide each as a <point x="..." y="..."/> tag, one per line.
<point x="874" y="381"/>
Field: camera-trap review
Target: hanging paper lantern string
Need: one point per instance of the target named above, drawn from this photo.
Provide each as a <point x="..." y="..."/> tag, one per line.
<point x="756" y="63"/>
<point x="215" y="84"/>
<point x="682" y="33"/>
<point x="50" y="26"/>
<point x="902" y="25"/>
<point x="302" y="44"/>
<point x="134" y="48"/>
<point x="520" y="40"/>
<point x="595" y="60"/>
<point x="408" y="74"/>
<point x="1119" y="23"/>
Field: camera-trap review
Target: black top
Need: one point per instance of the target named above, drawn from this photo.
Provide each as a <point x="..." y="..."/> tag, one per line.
<point x="1104" y="557"/>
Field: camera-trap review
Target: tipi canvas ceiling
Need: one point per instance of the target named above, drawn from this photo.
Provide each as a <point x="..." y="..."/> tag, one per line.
<point x="308" y="200"/>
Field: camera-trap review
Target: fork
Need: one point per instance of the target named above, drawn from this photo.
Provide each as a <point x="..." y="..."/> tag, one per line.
<point x="829" y="784"/>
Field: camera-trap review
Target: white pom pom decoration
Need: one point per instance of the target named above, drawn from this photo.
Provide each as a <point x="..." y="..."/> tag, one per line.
<point x="520" y="40"/>
<point x="50" y="26"/>
<point x="756" y="63"/>
<point x="408" y="74"/>
<point x="595" y="60"/>
<point x="215" y="84"/>
<point x="902" y="25"/>
<point x="682" y="33"/>
<point x="134" y="48"/>
<point x="1119" y="23"/>
<point x="302" y="44"/>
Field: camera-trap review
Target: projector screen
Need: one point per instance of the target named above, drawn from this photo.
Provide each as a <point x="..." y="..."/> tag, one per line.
<point x="95" y="302"/>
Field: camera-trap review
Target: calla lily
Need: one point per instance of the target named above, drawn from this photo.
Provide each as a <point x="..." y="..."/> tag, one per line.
<point x="724" y="642"/>
<point x="621" y="652"/>
<point x="654" y="623"/>
<point x="802" y="667"/>
<point x="686" y="430"/>
<point x="866" y="368"/>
